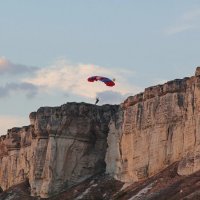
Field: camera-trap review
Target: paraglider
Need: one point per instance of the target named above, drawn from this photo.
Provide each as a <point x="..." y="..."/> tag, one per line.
<point x="106" y="80"/>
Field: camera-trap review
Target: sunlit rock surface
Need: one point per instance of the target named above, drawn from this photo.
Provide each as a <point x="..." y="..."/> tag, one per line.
<point x="159" y="127"/>
<point x="62" y="147"/>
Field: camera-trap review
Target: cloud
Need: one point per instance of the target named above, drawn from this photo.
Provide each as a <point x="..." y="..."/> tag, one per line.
<point x="110" y="97"/>
<point x="7" y="122"/>
<point x="7" y="67"/>
<point x="178" y="29"/>
<point x="30" y="89"/>
<point x="192" y="15"/>
<point x="188" y="21"/>
<point x="72" y="78"/>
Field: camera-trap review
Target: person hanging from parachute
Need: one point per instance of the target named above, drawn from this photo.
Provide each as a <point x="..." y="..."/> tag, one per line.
<point x="97" y="100"/>
<point x="105" y="80"/>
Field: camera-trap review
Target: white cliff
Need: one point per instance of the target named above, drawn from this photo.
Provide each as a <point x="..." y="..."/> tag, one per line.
<point x="65" y="145"/>
<point x="62" y="147"/>
<point x="160" y="126"/>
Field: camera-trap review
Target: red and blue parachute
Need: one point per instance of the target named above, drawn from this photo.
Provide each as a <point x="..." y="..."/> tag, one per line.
<point x="106" y="80"/>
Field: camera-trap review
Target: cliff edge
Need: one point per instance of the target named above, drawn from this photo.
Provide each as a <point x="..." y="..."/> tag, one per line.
<point x="67" y="145"/>
<point x="159" y="127"/>
<point x="62" y="147"/>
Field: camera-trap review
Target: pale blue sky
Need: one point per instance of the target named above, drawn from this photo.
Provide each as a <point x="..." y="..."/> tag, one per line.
<point x="140" y="43"/>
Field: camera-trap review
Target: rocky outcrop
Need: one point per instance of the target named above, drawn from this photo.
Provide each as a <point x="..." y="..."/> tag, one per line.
<point x="160" y="126"/>
<point x="66" y="145"/>
<point x="62" y="147"/>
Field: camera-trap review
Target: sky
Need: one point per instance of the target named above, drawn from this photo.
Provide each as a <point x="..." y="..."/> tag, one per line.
<point x="49" y="48"/>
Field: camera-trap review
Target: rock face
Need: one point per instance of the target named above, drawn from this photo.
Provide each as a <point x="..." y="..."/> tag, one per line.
<point x="65" y="145"/>
<point x="62" y="146"/>
<point x="159" y="127"/>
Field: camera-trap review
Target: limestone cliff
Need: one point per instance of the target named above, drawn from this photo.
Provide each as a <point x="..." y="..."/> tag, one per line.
<point x="65" y="145"/>
<point x="158" y="127"/>
<point x="62" y="146"/>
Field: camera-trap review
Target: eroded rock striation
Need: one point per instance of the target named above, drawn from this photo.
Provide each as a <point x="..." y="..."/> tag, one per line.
<point x="62" y="147"/>
<point x="159" y="127"/>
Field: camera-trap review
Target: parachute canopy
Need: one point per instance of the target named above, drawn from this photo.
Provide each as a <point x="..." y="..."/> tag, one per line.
<point x="107" y="81"/>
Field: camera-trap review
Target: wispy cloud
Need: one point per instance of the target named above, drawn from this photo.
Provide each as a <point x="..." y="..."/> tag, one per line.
<point x="73" y="78"/>
<point x="188" y="21"/>
<point x="29" y="89"/>
<point x="110" y="97"/>
<point x="65" y="78"/>
<point x="192" y="15"/>
<point x="178" y="29"/>
<point x="8" y="67"/>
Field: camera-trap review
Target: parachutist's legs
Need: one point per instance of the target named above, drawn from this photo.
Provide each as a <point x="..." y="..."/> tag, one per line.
<point x="97" y="100"/>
